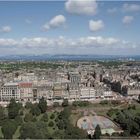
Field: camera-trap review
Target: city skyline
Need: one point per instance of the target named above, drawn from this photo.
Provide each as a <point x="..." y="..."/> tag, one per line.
<point x="63" y="27"/>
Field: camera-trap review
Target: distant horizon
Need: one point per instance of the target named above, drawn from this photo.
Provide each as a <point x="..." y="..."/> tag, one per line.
<point x="117" y="55"/>
<point x="68" y="57"/>
<point x="71" y="54"/>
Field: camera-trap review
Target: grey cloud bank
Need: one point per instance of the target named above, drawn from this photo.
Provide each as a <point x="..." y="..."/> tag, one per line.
<point x="81" y="45"/>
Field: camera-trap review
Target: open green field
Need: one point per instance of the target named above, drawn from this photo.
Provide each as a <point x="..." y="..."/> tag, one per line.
<point x="1" y="135"/>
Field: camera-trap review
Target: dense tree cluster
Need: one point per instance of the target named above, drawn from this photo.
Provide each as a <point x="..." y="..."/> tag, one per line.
<point x="8" y="128"/>
<point x="70" y="131"/>
<point x="34" y="122"/>
<point x="42" y="105"/>
<point x="13" y="109"/>
<point x="129" y="122"/>
<point x="34" y="130"/>
<point x="2" y="115"/>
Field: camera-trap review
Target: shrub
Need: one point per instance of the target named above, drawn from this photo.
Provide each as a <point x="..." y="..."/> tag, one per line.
<point x="52" y="116"/>
<point x="115" y="102"/>
<point x="65" y="103"/>
<point x="28" y="117"/>
<point x="51" y="124"/>
<point x="18" y="120"/>
<point x="104" y="102"/>
<point x="56" y="104"/>
<point x="35" y="110"/>
<point x="28" y="105"/>
<point x="45" y="117"/>
<point x="80" y="103"/>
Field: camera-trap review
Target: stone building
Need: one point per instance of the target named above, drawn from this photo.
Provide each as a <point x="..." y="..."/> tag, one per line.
<point x="26" y="91"/>
<point x="9" y="91"/>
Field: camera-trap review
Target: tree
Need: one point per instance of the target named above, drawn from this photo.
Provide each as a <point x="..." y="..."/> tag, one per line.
<point x="64" y="115"/>
<point x="51" y="124"/>
<point x="60" y="124"/>
<point x="18" y="120"/>
<point x="137" y="119"/>
<point x="74" y="133"/>
<point x="8" y="129"/>
<point x="63" y="118"/>
<point x="75" y="103"/>
<point x="139" y="98"/>
<point x="29" y="130"/>
<point x="28" y="117"/>
<point x="52" y="116"/>
<point x="65" y="103"/>
<point x="58" y="134"/>
<point x="2" y="114"/>
<point x="45" y="117"/>
<point x="42" y="105"/>
<point x="97" y="132"/>
<point x="35" y="110"/>
<point x="28" y="105"/>
<point x="104" y="102"/>
<point x="36" y="130"/>
<point x="80" y="103"/>
<point x="56" y="104"/>
<point x="13" y="109"/>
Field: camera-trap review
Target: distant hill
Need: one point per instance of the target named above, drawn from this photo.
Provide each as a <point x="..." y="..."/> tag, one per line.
<point x="68" y="57"/>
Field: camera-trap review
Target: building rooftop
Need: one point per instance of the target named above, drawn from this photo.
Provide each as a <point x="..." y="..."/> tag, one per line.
<point x="11" y="84"/>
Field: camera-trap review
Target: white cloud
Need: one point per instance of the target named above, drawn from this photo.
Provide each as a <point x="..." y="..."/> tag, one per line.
<point x="7" y="42"/>
<point x="81" y="7"/>
<point x="36" y="42"/>
<point x="127" y="19"/>
<point x="97" y="41"/>
<point x="89" y="44"/>
<point x="55" y="22"/>
<point x="96" y="25"/>
<point x="5" y="29"/>
<point x="131" y="7"/>
<point x="61" y="41"/>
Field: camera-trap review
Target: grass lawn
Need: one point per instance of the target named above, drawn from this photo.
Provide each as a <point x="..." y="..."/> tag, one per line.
<point x="17" y="133"/>
<point x="39" y="117"/>
<point x="1" y="135"/>
<point x="74" y="118"/>
<point x="137" y="110"/>
<point x="53" y="128"/>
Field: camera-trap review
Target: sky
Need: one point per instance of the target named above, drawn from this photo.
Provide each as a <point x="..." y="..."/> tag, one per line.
<point x="70" y="27"/>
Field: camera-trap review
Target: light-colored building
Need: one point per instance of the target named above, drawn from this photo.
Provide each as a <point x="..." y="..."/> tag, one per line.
<point x="133" y="89"/>
<point x="74" y="94"/>
<point x="108" y="94"/>
<point x="9" y="91"/>
<point x="28" y="77"/>
<point x="26" y="91"/>
<point x="87" y="93"/>
<point x="45" y="91"/>
<point x="57" y="91"/>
